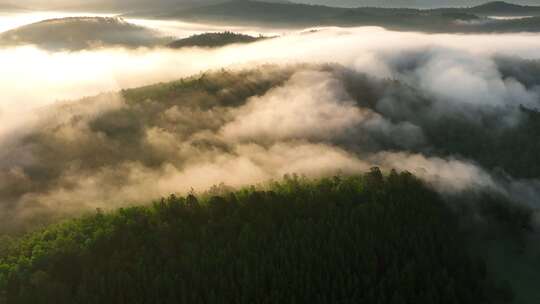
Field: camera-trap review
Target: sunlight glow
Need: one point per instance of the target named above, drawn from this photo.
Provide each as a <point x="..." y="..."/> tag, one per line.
<point x="11" y="21"/>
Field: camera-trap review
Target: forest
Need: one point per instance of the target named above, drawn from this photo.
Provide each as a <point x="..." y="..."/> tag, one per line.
<point x="366" y="238"/>
<point x="295" y="238"/>
<point x="212" y="40"/>
<point x="216" y="151"/>
<point x="288" y="14"/>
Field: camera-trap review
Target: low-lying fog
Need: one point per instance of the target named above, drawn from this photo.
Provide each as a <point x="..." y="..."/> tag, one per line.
<point x="179" y="29"/>
<point x="75" y="74"/>
<point x="298" y="126"/>
<point x="33" y="77"/>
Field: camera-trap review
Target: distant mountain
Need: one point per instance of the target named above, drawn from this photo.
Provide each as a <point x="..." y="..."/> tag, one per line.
<point x="302" y="15"/>
<point x="425" y="4"/>
<point x="500" y="8"/>
<point x="82" y="33"/>
<point x="259" y="12"/>
<point x="211" y="40"/>
<point x="159" y="4"/>
<point x="127" y="6"/>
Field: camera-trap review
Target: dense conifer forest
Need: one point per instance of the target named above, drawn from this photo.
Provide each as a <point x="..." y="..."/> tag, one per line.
<point x="395" y="238"/>
<point x="212" y="40"/>
<point x="365" y="238"/>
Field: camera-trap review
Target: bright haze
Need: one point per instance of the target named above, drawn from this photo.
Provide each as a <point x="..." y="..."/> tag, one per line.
<point x="50" y="60"/>
<point x="108" y="104"/>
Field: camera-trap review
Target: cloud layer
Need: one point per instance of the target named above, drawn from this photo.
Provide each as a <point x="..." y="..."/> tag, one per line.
<point x="385" y="100"/>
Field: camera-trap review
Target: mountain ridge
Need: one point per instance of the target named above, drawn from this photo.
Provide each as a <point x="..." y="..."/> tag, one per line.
<point x="248" y="12"/>
<point x="78" y="33"/>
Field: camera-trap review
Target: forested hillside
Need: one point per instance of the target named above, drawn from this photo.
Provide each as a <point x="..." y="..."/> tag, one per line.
<point x="79" y="33"/>
<point x="269" y="151"/>
<point x="357" y="239"/>
<point x="214" y="121"/>
<point x="348" y="239"/>
<point x="411" y="3"/>
<point x="278" y="14"/>
<point x="212" y="40"/>
<point x="501" y="8"/>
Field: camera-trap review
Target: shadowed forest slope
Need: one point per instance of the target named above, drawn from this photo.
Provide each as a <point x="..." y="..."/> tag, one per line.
<point x="366" y="238"/>
<point x="241" y="127"/>
<point x="212" y="40"/>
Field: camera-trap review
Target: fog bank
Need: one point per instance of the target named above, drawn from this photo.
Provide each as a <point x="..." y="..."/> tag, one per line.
<point x="333" y="101"/>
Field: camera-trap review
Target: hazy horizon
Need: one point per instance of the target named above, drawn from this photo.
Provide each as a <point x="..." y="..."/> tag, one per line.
<point x="122" y="6"/>
<point x="411" y="3"/>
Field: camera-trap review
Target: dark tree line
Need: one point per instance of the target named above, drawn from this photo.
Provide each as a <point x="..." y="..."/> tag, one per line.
<point x="363" y="239"/>
<point x="212" y="40"/>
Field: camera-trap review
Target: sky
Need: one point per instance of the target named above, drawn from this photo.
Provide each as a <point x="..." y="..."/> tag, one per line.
<point x="98" y="4"/>
<point x="146" y="4"/>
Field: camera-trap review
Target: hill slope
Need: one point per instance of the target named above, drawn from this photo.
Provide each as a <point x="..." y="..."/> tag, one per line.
<point x="79" y="33"/>
<point x="226" y="126"/>
<point x="500" y="8"/>
<point x="422" y="4"/>
<point x="202" y="118"/>
<point x="373" y="239"/>
<point x="300" y="15"/>
<point x="263" y="12"/>
<point x="213" y="40"/>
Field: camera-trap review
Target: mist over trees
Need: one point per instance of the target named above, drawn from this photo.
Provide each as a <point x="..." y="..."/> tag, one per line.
<point x="168" y="137"/>
<point x="405" y="172"/>
<point x="469" y="135"/>
<point x="343" y="239"/>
